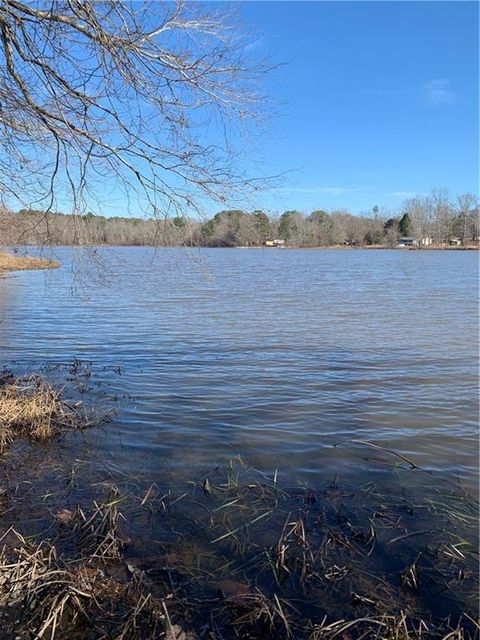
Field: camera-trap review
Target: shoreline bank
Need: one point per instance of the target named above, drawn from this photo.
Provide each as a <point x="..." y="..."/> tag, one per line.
<point x="188" y="247"/>
<point x="368" y="247"/>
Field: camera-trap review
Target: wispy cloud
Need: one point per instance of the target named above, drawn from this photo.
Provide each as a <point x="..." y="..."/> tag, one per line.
<point x="406" y="194"/>
<point x="332" y="191"/>
<point x="438" y="92"/>
<point x="255" y="45"/>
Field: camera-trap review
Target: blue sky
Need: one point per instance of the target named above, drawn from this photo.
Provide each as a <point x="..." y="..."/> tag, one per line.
<point x="376" y="102"/>
<point x="379" y="100"/>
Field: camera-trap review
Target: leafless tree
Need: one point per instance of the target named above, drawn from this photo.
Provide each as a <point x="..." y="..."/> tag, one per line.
<point x="443" y="214"/>
<point x="149" y="98"/>
<point x="467" y="210"/>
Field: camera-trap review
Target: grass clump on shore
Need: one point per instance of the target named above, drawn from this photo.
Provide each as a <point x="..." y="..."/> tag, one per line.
<point x="22" y="263"/>
<point x="31" y="408"/>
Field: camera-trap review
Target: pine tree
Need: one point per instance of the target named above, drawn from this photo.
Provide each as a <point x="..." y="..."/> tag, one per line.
<point x="405" y="226"/>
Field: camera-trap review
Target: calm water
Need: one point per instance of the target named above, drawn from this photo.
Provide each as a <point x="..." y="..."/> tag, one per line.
<point x="272" y="355"/>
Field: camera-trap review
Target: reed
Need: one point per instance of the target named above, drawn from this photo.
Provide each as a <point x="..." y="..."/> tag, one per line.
<point x="31" y="408"/>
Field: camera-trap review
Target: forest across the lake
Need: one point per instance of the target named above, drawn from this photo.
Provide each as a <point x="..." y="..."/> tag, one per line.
<point x="427" y="221"/>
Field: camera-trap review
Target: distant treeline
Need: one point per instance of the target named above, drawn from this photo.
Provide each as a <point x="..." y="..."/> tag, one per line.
<point x="434" y="217"/>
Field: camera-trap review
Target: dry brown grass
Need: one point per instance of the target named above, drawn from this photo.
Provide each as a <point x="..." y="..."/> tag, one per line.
<point x="32" y="409"/>
<point x="43" y="597"/>
<point x="21" y="263"/>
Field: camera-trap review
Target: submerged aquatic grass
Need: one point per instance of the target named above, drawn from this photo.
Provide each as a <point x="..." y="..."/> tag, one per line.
<point x="247" y="559"/>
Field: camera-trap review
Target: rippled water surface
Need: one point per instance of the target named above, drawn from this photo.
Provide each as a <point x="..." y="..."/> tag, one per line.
<point x="273" y="355"/>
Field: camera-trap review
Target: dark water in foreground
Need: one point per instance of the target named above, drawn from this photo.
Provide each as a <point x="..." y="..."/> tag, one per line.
<point x="272" y="355"/>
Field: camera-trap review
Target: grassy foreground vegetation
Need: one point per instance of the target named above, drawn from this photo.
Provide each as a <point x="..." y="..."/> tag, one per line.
<point x="230" y="555"/>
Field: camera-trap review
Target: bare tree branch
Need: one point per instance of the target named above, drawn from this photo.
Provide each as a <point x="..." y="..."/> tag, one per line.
<point x="130" y="95"/>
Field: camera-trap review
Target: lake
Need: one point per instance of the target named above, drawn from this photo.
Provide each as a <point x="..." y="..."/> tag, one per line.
<point x="273" y="355"/>
<point x="294" y="445"/>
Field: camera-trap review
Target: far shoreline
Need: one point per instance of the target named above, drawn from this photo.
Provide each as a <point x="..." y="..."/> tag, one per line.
<point x="9" y="262"/>
<point x="356" y="247"/>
